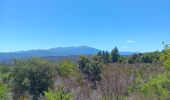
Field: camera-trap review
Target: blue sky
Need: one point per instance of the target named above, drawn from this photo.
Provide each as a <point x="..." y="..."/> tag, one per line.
<point x="131" y="25"/>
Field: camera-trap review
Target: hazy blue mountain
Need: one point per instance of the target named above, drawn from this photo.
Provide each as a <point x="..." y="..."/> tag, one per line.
<point x="60" y="51"/>
<point x="55" y="52"/>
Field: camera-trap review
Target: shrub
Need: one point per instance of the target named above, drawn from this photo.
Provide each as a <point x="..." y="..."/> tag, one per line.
<point x="60" y="94"/>
<point x="34" y="75"/>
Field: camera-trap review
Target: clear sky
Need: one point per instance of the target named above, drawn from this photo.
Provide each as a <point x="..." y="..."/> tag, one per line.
<point x="131" y="25"/>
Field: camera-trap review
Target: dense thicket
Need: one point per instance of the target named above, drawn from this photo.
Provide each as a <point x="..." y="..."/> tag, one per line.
<point x="33" y="76"/>
<point x="152" y="57"/>
<point x="91" y="69"/>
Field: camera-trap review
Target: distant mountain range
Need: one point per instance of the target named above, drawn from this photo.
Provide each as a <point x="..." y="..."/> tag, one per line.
<point x="54" y="52"/>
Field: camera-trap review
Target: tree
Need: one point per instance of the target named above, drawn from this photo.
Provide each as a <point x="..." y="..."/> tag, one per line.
<point x="104" y="57"/>
<point x="33" y="75"/>
<point x="83" y="63"/>
<point x="107" y="57"/>
<point x="91" y="69"/>
<point x="151" y="57"/>
<point x="156" y="56"/>
<point x="135" y="58"/>
<point x="99" y="53"/>
<point x="123" y="59"/>
<point x="66" y="68"/>
<point x="115" y="55"/>
<point x="94" y="73"/>
<point x="146" y="58"/>
<point x="3" y="91"/>
<point x="160" y="84"/>
<point x="60" y="94"/>
<point x="165" y="57"/>
<point x="4" y="79"/>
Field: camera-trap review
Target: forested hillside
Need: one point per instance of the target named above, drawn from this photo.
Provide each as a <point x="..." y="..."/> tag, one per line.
<point x="104" y="76"/>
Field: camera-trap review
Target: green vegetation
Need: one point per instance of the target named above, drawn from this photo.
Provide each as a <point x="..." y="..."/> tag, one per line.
<point x="105" y="76"/>
<point x="66" y="68"/>
<point x="3" y="91"/>
<point x="60" y="94"/>
<point x="33" y="76"/>
<point x="90" y="68"/>
<point x="153" y="57"/>
<point x="165" y="57"/>
<point x="105" y="57"/>
<point x="115" y="55"/>
<point x="4" y="76"/>
<point x="159" y="86"/>
<point x="156" y="87"/>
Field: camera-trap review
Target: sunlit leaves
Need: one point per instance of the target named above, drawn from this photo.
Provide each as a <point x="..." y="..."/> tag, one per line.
<point x="165" y="57"/>
<point x="60" y="94"/>
<point x="158" y="85"/>
<point x="3" y="91"/>
<point x="66" y="68"/>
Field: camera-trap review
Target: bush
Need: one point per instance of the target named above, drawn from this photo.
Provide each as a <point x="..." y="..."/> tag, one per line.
<point x="34" y="75"/>
<point x="66" y="68"/>
<point x="91" y="69"/>
<point x="3" y="91"/>
<point x="60" y="94"/>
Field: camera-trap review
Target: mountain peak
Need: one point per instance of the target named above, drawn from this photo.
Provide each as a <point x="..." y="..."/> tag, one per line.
<point x="59" y="51"/>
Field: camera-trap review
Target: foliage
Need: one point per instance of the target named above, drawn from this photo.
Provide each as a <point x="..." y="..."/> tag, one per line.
<point x="3" y="91"/>
<point x="108" y="73"/>
<point x="158" y="86"/>
<point x="152" y="57"/>
<point x="34" y="75"/>
<point x="4" y="69"/>
<point x="4" y="78"/>
<point x="91" y="69"/>
<point x="104" y="57"/>
<point x="145" y="58"/>
<point x="66" y="68"/>
<point x="5" y="73"/>
<point x="135" y="58"/>
<point x="60" y="94"/>
<point x="83" y="63"/>
<point x="165" y="57"/>
<point x="94" y="71"/>
<point x="115" y="55"/>
<point x="137" y="84"/>
<point x="123" y="59"/>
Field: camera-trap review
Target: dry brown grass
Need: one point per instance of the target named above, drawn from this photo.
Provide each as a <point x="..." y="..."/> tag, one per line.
<point x="114" y="84"/>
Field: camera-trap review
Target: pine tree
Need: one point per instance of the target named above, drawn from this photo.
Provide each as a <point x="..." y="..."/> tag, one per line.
<point x="115" y="55"/>
<point x="107" y="55"/>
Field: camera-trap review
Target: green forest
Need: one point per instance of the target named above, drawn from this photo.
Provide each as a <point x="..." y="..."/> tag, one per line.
<point x="104" y="76"/>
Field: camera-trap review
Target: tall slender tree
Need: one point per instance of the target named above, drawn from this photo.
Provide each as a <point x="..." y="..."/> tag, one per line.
<point x="115" y="55"/>
<point x="107" y="57"/>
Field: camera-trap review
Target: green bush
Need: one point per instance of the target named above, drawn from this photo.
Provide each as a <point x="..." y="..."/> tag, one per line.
<point x="91" y="69"/>
<point x="60" y="94"/>
<point x="3" y="91"/>
<point x="33" y="75"/>
<point x="66" y="68"/>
